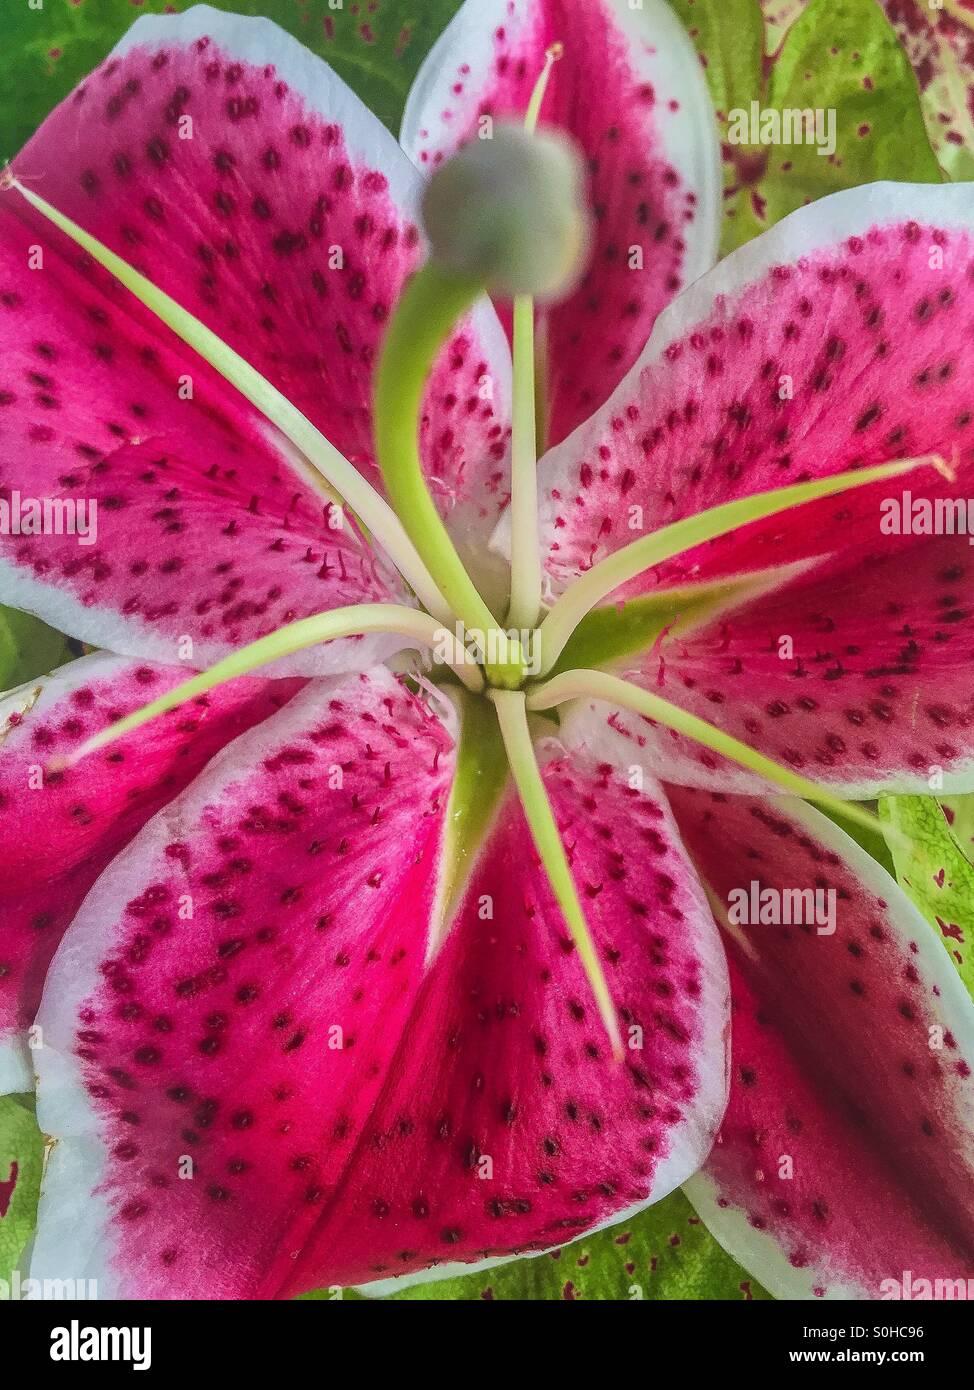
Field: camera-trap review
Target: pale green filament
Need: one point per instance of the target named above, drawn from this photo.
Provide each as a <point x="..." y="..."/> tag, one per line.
<point x="525" y="548"/>
<point x="511" y="715"/>
<point x="362" y="618"/>
<point x="625" y="564"/>
<point x="599" y="685"/>
<point x="348" y="482"/>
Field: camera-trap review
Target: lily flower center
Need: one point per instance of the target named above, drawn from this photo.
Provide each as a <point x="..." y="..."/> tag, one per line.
<point x="505" y="216"/>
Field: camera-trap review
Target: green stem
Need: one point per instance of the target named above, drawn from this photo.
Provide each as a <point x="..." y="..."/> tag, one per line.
<point x="511" y="716"/>
<point x="427" y="312"/>
<point x="525" y="549"/>
<point x="598" y="685"/>
<point x="625" y="564"/>
<point x="364" y="501"/>
<point x="306" y="632"/>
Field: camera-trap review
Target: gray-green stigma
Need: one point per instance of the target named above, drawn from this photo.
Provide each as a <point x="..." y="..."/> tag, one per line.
<point x="504" y="216"/>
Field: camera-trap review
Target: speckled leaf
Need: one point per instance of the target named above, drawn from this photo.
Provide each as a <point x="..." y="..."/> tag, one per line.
<point x="28" y="648"/>
<point x="21" y="1157"/>
<point x="843" y="55"/>
<point x="838" y="55"/>
<point x="938" y="37"/>
<point x="665" y="1253"/>
<point x="959" y="811"/>
<point x="376" y="46"/>
<point x="936" y="874"/>
<point x="729" y="38"/>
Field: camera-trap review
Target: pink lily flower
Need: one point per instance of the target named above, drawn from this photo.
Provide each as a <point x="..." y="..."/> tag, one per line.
<point x="353" y="969"/>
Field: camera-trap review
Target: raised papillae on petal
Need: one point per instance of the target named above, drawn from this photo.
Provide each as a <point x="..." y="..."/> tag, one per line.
<point x="856" y="672"/>
<point x="241" y="176"/>
<point x="60" y="826"/>
<point x="240" y="1137"/>
<point x="628" y="89"/>
<point x="843" y="1166"/>
<point x="839" y="339"/>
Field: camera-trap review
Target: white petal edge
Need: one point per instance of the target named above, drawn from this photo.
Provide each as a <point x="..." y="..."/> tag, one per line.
<point x="259" y="41"/>
<point x="42" y="693"/>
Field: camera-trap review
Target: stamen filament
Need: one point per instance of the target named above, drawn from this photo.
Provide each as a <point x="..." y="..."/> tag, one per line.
<point x="625" y="564"/>
<point x="306" y="632"/>
<point x="512" y="717"/>
<point x="599" y="685"/>
<point x="361" y="497"/>
<point x="525" y="549"/>
<point x="427" y="312"/>
<point x="553" y="52"/>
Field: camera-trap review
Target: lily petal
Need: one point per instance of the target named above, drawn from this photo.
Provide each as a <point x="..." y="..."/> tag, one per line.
<point x="175" y="1040"/>
<point x="628" y="88"/>
<point x="178" y="529"/>
<point x="60" y="826"/>
<point x="506" y="1059"/>
<point x="856" y="673"/>
<point x="338" y="1135"/>
<point x="837" y="339"/>
<point x="846" y="1153"/>
<point x="237" y="172"/>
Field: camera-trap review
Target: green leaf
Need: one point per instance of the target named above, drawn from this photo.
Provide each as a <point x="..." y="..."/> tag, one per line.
<point x="21" y="1160"/>
<point x="28" y="648"/>
<point x="845" y="56"/>
<point x="729" y="37"/>
<point x="665" y="1252"/>
<point x="959" y="811"/>
<point x="935" y="873"/>
<point x="839" y="55"/>
<point x="46" y="52"/>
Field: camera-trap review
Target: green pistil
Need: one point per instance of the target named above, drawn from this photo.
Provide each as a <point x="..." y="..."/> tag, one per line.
<point x="427" y="313"/>
<point x="525" y="549"/>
